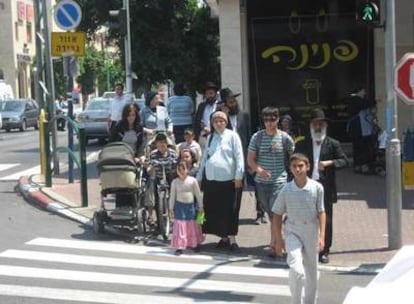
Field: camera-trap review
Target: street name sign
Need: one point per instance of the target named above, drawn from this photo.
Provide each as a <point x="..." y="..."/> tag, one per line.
<point x="68" y="15"/>
<point x="404" y="78"/>
<point x="68" y="43"/>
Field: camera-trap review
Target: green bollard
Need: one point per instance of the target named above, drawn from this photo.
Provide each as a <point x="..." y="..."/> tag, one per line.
<point x="48" y="173"/>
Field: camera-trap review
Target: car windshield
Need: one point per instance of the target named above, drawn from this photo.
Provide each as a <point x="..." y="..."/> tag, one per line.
<point x="96" y="105"/>
<point x="11" y="106"/>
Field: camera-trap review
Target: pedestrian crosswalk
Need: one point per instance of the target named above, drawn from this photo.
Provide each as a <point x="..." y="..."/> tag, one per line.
<point x="109" y="272"/>
<point x="16" y="174"/>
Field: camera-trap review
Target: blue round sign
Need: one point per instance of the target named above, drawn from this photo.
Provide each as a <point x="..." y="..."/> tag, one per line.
<point x="67" y="15"/>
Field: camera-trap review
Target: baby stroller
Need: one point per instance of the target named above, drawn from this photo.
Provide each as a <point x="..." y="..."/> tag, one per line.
<point x="120" y="176"/>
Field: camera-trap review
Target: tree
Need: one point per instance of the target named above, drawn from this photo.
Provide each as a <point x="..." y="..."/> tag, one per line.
<point x="170" y="40"/>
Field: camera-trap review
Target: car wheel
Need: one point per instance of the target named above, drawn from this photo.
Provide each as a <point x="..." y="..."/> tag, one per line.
<point x="23" y="126"/>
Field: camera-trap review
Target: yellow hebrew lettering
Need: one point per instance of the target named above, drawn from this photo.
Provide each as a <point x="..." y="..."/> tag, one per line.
<point x="305" y="58"/>
<point x="346" y="50"/>
<point x="276" y="49"/>
<point x="326" y="57"/>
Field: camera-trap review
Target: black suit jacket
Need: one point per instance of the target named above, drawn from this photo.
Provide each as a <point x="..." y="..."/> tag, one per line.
<point x="330" y="150"/>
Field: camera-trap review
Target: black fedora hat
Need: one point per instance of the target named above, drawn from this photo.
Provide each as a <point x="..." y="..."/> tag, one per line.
<point x="210" y="85"/>
<point x="317" y="114"/>
<point x="226" y="93"/>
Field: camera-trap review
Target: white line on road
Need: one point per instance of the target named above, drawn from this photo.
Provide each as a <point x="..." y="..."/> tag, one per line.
<point x="4" y="167"/>
<point x="153" y="281"/>
<point x="144" y="264"/>
<point x="92" y="296"/>
<point x="17" y="175"/>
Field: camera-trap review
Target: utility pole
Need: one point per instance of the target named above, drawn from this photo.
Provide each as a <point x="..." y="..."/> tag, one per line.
<point x="127" y="45"/>
<point x="44" y="68"/>
<point x="393" y="151"/>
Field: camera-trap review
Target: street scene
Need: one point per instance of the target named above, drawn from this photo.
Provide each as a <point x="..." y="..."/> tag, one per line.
<point x="206" y="151"/>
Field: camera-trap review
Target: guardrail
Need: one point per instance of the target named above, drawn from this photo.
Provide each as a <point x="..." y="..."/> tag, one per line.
<point x="45" y="129"/>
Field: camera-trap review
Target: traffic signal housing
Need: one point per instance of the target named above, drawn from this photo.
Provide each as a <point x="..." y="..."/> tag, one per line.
<point x="118" y="21"/>
<point x="368" y="13"/>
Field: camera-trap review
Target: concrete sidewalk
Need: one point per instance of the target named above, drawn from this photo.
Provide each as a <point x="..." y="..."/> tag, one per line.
<point x="360" y="218"/>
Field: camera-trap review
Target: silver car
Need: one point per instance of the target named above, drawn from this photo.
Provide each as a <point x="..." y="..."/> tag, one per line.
<point x="95" y="119"/>
<point x="19" y="114"/>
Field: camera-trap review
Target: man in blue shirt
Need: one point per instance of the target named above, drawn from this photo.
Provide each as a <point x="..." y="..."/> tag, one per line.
<point x="180" y="108"/>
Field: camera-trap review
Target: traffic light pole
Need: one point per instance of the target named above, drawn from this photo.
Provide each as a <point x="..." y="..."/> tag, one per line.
<point x="127" y="45"/>
<point x="393" y="151"/>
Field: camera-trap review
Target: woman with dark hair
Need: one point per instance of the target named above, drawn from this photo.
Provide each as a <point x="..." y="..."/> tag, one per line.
<point x="130" y="131"/>
<point x="189" y="157"/>
<point x="154" y="115"/>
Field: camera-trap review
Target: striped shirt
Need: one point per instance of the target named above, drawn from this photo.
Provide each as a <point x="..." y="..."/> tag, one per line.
<point x="180" y="109"/>
<point x="271" y="156"/>
<point x="169" y="161"/>
<point x="300" y="204"/>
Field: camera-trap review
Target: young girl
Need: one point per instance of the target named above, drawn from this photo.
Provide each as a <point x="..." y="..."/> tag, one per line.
<point x="189" y="158"/>
<point x="184" y="192"/>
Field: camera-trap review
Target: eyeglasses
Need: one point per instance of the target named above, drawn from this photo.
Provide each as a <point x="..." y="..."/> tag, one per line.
<point x="269" y="119"/>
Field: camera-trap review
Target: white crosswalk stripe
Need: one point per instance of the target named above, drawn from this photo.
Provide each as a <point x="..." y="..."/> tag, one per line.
<point x="207" y="279"/>
<point x="18" y="174"/>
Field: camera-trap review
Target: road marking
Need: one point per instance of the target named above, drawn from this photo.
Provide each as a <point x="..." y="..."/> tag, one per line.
<point x="141" y="280"/>
<point x="92" y="296"/>
<point x="17" y="175"/>
<point x="4" y="167"/>
<point x="145" y="264"/>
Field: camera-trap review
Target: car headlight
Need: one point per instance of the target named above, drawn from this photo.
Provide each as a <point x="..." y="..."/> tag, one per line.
<point x="14" y="118"/>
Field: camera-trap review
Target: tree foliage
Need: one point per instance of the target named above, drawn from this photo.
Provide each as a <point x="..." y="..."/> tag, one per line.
<point x="171" y="40"/>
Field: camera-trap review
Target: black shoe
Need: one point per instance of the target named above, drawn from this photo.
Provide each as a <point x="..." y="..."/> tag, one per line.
<point x="197" y="248"/>
<point x="324" y="258"/>
<point x="178" y="252"/>
<point x="235" y="248"/>
<point x="223" y="244"/>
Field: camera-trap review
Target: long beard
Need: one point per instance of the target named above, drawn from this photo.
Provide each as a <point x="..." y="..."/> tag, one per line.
<point x="210" y="100"/>
<point x="234" y="111"/>
<point x="318" y="134"/>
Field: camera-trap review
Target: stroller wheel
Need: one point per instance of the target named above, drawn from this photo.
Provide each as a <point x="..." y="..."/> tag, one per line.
<point x="98" y="223"/>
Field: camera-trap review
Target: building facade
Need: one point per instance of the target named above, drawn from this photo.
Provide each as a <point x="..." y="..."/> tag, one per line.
<point x="301" y="54"/>
<point x="17" y="40"/>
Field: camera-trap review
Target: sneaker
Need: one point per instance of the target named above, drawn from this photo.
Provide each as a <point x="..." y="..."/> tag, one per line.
<point x="178" y="252"/>
<point x="264" y="219"/>
<point x="258" y="220"/>
<point x="223" y="244"/>
<point x="235" y="248"/>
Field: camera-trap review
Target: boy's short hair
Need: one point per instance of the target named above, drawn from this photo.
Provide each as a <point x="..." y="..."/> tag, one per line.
<point x="270" y="111"/>
<point x="298" y="157"/>
<point x="188" y="131"/>
<point x="161" y="137"/>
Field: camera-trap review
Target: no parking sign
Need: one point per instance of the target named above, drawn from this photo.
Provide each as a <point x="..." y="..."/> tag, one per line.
<point x="68" y="15"/>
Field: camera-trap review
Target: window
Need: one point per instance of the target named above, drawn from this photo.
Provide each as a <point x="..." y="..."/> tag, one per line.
<point x="16" y="31"/>
<point x="29" y="33"/>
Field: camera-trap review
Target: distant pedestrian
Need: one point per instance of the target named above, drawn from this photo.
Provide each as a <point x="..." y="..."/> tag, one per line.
<point x="180" y="108"/>
<point x="185" y="202"/>
<point x="267" y="156"/>
<point x="325" y="155"/>
<point x="201" y="123"/>
<point x="221" y="174"/>
<point x="190" y="143"/>
<point x="301" y="203"/>
<point x="117" y="105"/>
<point x="6" y="91"/>
<point x="286" y="124"/>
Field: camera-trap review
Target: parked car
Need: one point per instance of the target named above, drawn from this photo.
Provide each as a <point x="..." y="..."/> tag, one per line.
<point x="95" y="118"/>
<point x="19" y="114"/>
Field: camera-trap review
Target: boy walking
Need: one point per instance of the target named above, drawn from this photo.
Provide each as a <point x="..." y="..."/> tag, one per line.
<point x="301" y="202"/>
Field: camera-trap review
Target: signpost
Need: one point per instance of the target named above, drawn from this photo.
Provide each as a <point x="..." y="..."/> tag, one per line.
<point x="68" y="16"/>
<point x="404" y="78"/>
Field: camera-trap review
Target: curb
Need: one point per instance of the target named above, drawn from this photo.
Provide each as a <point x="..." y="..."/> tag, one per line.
<point x="34" y="194"/>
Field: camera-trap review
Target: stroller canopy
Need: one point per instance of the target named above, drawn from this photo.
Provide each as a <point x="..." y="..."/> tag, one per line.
<point x="116" y="154"/>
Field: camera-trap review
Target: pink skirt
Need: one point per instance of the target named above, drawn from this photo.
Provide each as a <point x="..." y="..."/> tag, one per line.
<point x="186" y="234"/>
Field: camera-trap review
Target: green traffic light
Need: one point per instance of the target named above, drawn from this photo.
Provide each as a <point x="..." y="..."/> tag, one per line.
<point x="368" y="12"/>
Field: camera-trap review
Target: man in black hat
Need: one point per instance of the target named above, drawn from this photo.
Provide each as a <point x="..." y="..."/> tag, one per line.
<point x="204" y="110"/>
<point x="325" y="155"/>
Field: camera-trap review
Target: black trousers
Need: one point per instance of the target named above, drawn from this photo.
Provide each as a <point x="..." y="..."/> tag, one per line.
<point x="328" y="227"/>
